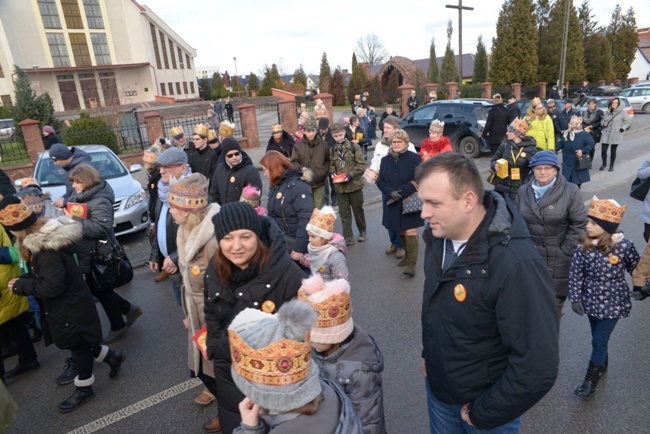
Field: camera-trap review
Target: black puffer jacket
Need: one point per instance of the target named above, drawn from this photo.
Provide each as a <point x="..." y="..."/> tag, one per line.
<point x="285" y="146"/>
<point x="518" y="156"/>
<point x="55" y="278"/>
<point x="494" y="345"/>
<point x="290" y="205"/>
<point x="228" y="182"/>
<point x="496" y="124"/>
<point x="99" y="222"/>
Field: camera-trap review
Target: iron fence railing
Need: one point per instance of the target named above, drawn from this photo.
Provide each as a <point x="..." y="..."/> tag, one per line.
<point x="189" y="123"/>
<point x="12" y="152"/>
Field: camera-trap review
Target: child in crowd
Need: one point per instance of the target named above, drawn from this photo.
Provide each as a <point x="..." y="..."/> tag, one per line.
<point x="597" y="283"/>
<point x="436" y="143"/>
<point x="344" y="352"/>
<point x="271" y="365"/>
<point x="39" y="202"/>
<point x="326" y="249"/>
<point x="251" y="194"/>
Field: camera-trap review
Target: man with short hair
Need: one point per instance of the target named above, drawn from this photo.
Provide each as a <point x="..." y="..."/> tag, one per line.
<point x="325" y="134"/>
<point x="489" y="318"/>
<point x="67" y="159"/>
<point x="281" y="140"/>
<point x="564" y="117"/>
<point x="496" y="124"/>
<point x="311" y="155"/>
<point x="513" y="108"/>
<point x="204" y="159"/>
<point x="233" y="174"/>
<point x="583" y="90"/>
<point x="553" y="112"/>
<point x="179" y="140"/>
<point x="412" y="102"/>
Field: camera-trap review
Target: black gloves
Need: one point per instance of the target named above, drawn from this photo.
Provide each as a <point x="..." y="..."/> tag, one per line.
<point x="621" y="130"/>
<point x="395" y="196"/>
<point x="640" y="293"/>
<point x="578" y="308"/>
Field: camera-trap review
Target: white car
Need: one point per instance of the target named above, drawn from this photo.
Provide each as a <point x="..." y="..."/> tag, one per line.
<point x="6" y="128"/>
<point x="131" y="201"/>
<point x="639" y="97"/>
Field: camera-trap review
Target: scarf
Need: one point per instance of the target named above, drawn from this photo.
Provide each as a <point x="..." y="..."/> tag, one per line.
<point x="163" y="188"/>
<point x="396" y="155"/>
<point x="541" y="190"/>
<point x="241" y="277"/>
<point x="571" y="134"/>
<point x="318" y="256"/>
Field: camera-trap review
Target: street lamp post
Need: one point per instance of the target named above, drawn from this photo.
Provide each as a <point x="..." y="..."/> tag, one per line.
<point x="237" y="75"/>
<point x="184" y="83"/>
<point x="35" y="67"/>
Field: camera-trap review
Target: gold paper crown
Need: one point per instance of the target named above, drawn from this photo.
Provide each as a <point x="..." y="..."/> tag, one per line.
<point x="26" y="182"/>
<point x="282" y="363"/>
<point x="333" y="311"/>
<point x="520" y="125"/>
<point x="535" y="102"/>
<point x="436" y="126"/>
<point x="149" y="157"/>
<point x="191" y="198"/>
<point x="276" y="128"/>
<point x="177" y="130"/>
<point x="322" y="222"/>
<point x="14" y="214"/>
<point x="606" y="210"/>
<point x="202" y="130"/>
<point x="211" y="136"/>
<point x="226" y="129"/>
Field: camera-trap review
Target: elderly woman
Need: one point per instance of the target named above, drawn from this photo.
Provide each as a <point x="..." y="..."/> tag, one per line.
<point x="541" y="126"/>
<point x="615" y="122"/>
<point x="49" y="137"/>
<point x="556" y="217"/>
<point x="251" y="269"/>
<point x="516" y="150"/>
<point x="188" y="205"/>
<point x="290" y="201"/>
<point x="574" y="143"/>
<point x="397" y="182"/>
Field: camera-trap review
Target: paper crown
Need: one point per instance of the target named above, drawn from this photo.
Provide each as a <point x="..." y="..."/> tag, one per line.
<point x="607" y="210"/>
<point x="321" y="222"/>
<point x="331" y="301"/>
<point x="202" y="130"/>
<point x="251" y="194"/>
<point x="212" y="136"/>
<point x="282" y="363"/>
<point x="17" y="215"/>
<point x="333" y="311"/>
<point x="535" y="102"/>
<point x="520" y="125"/>
<point x="226" y="129"/>
<point x="29" y="182"/>
<point x="34" y="202"/>
<point x="436" y="126"/>
<point x="189" y="193"/>
<point x="176" y="131"/>
<point x="149" y="157"/>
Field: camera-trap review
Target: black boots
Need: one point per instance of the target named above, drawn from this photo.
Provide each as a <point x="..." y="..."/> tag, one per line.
<point x="69" y="372"/>
<point x="588" y="387"/>
<point x="82" y="393"/>
<point x="603" y="167"/>
<point x="22" y="368"/>
<point x="611" y="166"/>
<point x="114" y="359"/>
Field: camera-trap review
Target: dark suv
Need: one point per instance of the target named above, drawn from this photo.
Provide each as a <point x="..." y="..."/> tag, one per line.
<point x="464" y="121"/>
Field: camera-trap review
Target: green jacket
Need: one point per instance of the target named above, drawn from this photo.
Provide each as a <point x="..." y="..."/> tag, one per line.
<point x="11" y="305"/>
<point x="353" y="164"/>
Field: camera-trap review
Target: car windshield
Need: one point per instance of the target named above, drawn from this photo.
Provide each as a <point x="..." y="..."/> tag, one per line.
<point x="106" y="163"/>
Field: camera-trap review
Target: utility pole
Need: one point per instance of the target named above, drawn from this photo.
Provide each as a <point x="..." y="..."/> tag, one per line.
<point x="460" y="8"/>
<point x="565" y="39"/>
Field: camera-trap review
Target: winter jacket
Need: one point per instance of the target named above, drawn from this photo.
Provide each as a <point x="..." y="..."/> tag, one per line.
<point x="6" y="186"/>
<point x="335" y="267"/>
<point x="335" y="415"/>
<point x="195" y="248"/>
<point x="429" y="148"/>
<point x="543" y="132"/>
<point x="642" y="271"/>
<point x="555" y="224"/>
<point x="290" y="205"/>
<point x="99" y="222"/>
<point x="613" y="123"/>
<point x="496" y="124"/>
<point x="569" y="147"/>
<point x="228" y="181"/>
<point x="11" y="305"/>
<point x="384" y="115"/>
<point x="347" y="158"/>
<point x="55" y="278"/>
<point x="357" y="366"/>
<point x="644" y="173"/>
<point x="284" y="146"/>
<point x="170" y="235"/>
<point x="152" y="189"/>
<point x="78" y="157"/>
<point x="592" y="119"/>
<point x="514" y="112"/>
<point x="358" y="134"/>
<point x="381" y="150"/>
<point x="328" y="138"/>
<point x="203" y="162"/>
<point x="563" y="119"/>
<point x="597" y="279"/>
<point x="510" y="150"/>
<point x="554" y="113"/>
<point x="398" y="174"/>
<point x="412" y="103"/>
<point x="489" y="323"/>
<point x="49" y="140"/>
<point x="315" y="156"/>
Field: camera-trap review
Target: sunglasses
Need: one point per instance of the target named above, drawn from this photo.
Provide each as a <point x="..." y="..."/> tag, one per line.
<point x="234" y="154"/>
<point x="277" y="132"/>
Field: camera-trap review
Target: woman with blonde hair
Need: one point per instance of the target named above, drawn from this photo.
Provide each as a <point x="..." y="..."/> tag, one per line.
<point x="541" y="126"/>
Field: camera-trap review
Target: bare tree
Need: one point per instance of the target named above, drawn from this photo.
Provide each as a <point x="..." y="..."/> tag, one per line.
<point x="371" y="50"/>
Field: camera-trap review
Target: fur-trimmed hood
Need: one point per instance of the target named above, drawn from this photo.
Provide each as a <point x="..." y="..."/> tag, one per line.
<point x="189" y="244"/>
<point x="56" y="234"/>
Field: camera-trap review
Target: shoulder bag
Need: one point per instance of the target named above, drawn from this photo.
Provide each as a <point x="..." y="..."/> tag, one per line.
<point x="110" y="266"/>
<point x="412" y="204"/>
<point x="583" y="162"/>
<point x="639" y="189"/>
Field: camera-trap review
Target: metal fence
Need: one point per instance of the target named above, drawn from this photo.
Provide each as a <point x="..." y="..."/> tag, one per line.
<point x="189" y="123"/>
<point x="131" y="132"/>
<point x="11" y="151"/>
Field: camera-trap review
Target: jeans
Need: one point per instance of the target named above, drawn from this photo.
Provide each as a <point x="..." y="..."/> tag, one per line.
<point x="446" y="419"/>
<point x="176" y="291"/>
<point x="601" y="330"/>
<point x="395" y="239"/>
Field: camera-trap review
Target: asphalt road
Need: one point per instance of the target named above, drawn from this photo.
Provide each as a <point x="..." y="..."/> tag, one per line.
<point x="154" y="393"/>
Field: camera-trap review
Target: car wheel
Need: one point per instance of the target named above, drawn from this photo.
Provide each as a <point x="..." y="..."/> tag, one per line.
<point x="469" y="146"/>
<point x="646" y="109"/>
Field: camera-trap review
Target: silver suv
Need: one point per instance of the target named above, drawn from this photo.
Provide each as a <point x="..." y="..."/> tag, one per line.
<point x="639" y="97"/>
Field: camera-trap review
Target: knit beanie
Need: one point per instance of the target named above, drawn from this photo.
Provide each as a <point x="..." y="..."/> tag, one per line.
<point x="271" y="356"/>
<point x="230" y="144"/>
<point x="606" y="213"/>
<point x="392" y="120"/>
<point x="331" y="300"/>
<point x="544" y="157"/>
<point x="234" y="216"/>
<point x="15" y="215"/>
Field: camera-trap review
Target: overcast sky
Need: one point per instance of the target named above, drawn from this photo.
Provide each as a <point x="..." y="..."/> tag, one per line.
<point x="259" y="32"/>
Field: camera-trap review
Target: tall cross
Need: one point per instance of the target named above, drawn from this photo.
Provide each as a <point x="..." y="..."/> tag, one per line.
<point x="460" y="8"/>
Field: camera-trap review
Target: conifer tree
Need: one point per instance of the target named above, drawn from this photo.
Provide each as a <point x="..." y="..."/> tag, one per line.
<point x="355" y="85"/>
<point x="374" y="91"/>
<point x="337" y="87"/>
<point x="300" y="78"/>
<point x="204" y="89"/>
<point x="253" y="82"/>
<point x="623" y="38"/>
<point x="325" y="74"/>
<point x="480" y="63"/>
<point x="599" y="63"/>
<point x="587" y="24"/>
<point x="433" y="72"/>
<point x="514" y="50"/>
<point x="217" y="82"/>
<point x="448" y="70"/>
<point x="271" y="80"/>
<point x="29" y="106"/>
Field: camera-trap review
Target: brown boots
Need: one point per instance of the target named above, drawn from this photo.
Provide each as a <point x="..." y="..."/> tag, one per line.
<point x="162" y="276"/>
<point x="411" y="258"/>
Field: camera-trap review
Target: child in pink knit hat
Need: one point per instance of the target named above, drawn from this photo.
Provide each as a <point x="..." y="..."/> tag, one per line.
<point x="251" y="194"/>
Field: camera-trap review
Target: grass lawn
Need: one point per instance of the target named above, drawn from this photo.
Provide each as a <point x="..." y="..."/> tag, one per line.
<point x="13" y="153"/>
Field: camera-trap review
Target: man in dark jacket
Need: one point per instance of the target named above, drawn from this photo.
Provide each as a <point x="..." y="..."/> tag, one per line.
<point x="565" y="116"/>
<point x="312" y="154"/>
<point x="204" y="159"/>
<point x="280" y="141"/>
<point x="513" y="108"/>
<point x="67" y="159"/>
<point x="553" y="112"/>
<point x="496" y="123"/>
<point x="231" y="176"/>
<point x="489" y="319"/>
<point x="412" y="102"/>
<point x="325" y="134"/>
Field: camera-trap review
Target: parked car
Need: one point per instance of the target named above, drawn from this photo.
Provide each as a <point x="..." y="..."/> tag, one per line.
<point x="606" y="90"/>
<point x="639" y="97"/>
<point x="130" y="206"/>
<point x="464" y="121"/>
<point x="6" y="128"/>
<point x="525" y="103"/>
<point x="602" y="102"/>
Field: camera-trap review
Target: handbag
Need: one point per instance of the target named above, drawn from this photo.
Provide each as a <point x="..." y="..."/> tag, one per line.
<point x="639" y="189"/>
<point x="412" y="204"/>
<point x="110" y="267"/>
<point x="583" y="162"/>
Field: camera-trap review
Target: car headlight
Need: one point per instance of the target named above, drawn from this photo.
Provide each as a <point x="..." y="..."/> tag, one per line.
<point x="135" y="199"/>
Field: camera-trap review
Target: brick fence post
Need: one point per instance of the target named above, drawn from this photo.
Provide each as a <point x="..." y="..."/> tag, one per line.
<point x="288" y="116"/>
<point x="33" y="140"/>
<point x="452" y="86"/>
<point x="154" y="126"/>
<point x="405" y="93"/>
<point x="486" y="90"/>
<point x="516" y="89"/>
<point x="541" y="90"/>
<point x="327" y="99"/>
<point x="249" y="127"/>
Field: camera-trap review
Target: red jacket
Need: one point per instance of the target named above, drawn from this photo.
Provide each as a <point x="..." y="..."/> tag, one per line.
<point x="428" y="148"/>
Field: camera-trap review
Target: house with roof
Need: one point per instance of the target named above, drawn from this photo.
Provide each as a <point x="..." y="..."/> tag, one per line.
<point x="641" y="64"/>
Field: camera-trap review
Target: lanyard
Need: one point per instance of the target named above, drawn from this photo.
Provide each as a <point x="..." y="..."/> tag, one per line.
<point x="514" y="159"/>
